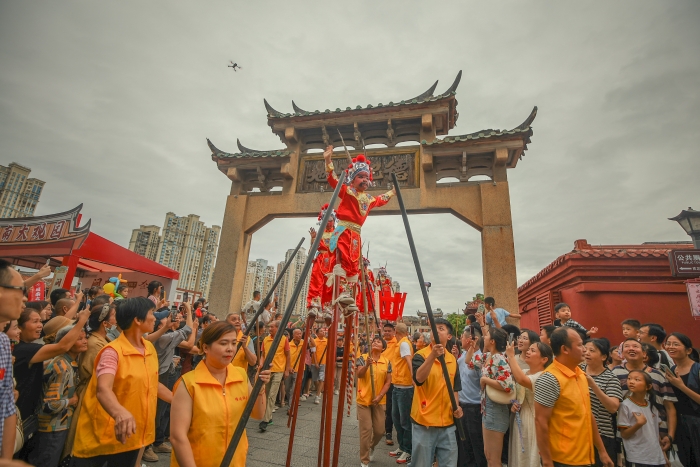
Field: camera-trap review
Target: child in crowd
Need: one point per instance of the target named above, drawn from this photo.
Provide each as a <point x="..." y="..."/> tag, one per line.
<point x="638" y="421"/>
<point x="562" y="312"/>
<point x="630" y="329"/>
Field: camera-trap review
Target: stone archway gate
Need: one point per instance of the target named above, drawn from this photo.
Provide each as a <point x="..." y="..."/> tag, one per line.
<point x="290" y="182"/>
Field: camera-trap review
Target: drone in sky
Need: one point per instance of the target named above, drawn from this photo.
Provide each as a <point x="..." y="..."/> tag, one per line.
<point x="235" y="66"/>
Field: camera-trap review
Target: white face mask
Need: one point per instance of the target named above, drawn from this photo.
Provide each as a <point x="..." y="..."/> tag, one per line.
<point x="113" y="332"/>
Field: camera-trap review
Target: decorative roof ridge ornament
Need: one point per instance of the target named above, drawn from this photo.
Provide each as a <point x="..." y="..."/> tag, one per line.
<point x="271" y="111"/>
<point x="244" y="149"/>
<point x="426" y="94"/>
<point x="528" y="121"/>
<point x="298" y="109"/>
<point x="453" y="88"/>
<point x="214" y="149"/>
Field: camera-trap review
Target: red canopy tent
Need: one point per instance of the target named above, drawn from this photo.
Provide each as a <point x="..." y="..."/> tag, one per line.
<point x="31" y="241"/>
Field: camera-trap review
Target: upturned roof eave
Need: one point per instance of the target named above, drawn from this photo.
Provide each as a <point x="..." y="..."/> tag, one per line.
<point x="348" y="117"/>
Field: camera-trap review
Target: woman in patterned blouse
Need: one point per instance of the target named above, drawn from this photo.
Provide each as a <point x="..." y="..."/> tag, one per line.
<point x="495" y="372"/>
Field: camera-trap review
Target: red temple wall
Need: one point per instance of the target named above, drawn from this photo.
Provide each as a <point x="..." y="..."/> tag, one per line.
<point x="607" y="284"/>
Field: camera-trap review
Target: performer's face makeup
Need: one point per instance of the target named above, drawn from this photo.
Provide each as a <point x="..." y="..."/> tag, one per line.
<point x="361" y="181"/>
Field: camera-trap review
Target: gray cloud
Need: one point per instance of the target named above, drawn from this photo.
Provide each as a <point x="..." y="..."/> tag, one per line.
<point x="110" y="103"/>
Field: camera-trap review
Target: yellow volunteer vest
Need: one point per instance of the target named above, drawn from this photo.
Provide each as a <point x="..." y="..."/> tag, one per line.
<point x="400" y="372"/>
<point x="279" y="362"/>
<point x="215" y="415"/>
<point x="570" y="424"/>
<point x="364" y="387"/>
<point x="136" y="388"/>
<point x="240" y="360"/>
<point x="431" y="402"/>
<point x="392" y="352"/>
<point x="321" y="345"/>
<point x="294" y="351"/>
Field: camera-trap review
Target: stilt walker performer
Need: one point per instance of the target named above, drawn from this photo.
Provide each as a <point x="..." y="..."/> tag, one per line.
<point x="355" y="205"/>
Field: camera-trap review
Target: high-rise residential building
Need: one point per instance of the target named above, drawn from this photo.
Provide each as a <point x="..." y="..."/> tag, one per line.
<point x="270" y="276"/>
<point x="186" y="245"/>
<point x="290" y="280"/>
<point x="19" y="194"/>
<point x="259" y="276"/>
<point x="249" y="285"/>
<point x="397" y="286"/>
<point x="146" y="241"/>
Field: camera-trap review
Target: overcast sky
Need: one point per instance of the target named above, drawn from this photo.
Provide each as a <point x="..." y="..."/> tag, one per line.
<point x="110" y="103"/>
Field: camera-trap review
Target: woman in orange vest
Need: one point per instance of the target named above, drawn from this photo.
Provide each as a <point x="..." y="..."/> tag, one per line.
<point x="371" y="412"/>
<point x="209" y="401"/>
<point x="118" y="415"/>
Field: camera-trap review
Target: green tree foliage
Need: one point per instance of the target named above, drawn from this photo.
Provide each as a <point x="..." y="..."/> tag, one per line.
<point x="458" y="321"/>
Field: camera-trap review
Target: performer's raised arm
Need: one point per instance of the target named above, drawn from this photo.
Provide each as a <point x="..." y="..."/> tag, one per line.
<point x="330" y="173"/>
<point x="382" y="199"/>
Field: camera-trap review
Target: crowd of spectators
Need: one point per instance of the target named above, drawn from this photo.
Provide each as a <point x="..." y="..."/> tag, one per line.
<point x="92" y="381"/>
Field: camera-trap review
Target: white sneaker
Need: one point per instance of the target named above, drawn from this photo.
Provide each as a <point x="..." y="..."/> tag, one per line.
<point x="396" y="453"/>
<point x="362" y="464"/>
<point x="317" y="400"/>
<point x="274" y="410"/>
<point x="336" y="392"/>
<point x="302" y="398"/>
<point x="371" y="454"/>
<point x="403" y="458"/>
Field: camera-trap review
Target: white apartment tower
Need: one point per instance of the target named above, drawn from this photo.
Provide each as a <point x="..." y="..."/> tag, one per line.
<point x="186" y="245"/>
<point x="259" y="276"/>
<point x="289" y="281"/>
<point x="145" y="241"/>
<point x="19" y="194"/>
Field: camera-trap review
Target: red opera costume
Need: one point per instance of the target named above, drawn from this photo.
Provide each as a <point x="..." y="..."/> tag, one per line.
<point x="320" y="293"/>
<point x="351" y="214"/>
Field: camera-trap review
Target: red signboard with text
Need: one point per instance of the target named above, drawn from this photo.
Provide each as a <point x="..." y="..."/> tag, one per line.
<point x="37" y="292"/>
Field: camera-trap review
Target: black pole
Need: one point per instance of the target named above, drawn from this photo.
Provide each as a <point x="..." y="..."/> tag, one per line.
<point x="226" y="462"/>
<point x="429" y="310"/>
<point x="267" y="298"/>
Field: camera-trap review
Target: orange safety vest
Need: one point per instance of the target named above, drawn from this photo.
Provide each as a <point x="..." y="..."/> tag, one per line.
<point x="570" y="424"/>
<point x="321" y="345"/>
<point x="279" y="361"/>
<point x="392" y="351"/>
<point x="364" y="388"/>
<point x="294" y="350"/>
<point x="136" y="388"/>
<point x="401" y="374"/>
<point x="240" y="359"/>
<point x="215" y="415"/>
<point x="431" y="403"/>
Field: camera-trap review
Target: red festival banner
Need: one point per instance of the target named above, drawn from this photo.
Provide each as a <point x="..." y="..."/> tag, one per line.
<point x="37" y="292"/>
<point x="391" y="306"/>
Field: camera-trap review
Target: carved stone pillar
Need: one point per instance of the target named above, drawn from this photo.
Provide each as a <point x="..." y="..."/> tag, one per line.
<point x="232" y="261"/>
<point x="498" y="249"/>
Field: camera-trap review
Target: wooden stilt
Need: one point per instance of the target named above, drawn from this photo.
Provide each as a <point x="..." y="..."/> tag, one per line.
<point x="294" y="401"/>
<point x="341" y="393"/>
<point x="327" y="403"/>
<point x="329" y="380"/>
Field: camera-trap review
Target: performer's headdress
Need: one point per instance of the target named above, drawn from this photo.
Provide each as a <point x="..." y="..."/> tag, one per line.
<point x="382" y="271"/>
<point x="324" y="208"/>
<point x="359" y="164"/>
<point x="366" y="261"/>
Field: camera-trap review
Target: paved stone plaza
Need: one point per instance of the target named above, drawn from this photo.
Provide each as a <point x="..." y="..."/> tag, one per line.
<point x="270" y="448"/>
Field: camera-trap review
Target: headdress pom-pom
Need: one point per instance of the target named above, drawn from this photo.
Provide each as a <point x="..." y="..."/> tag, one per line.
<point x="361" y="158"/>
